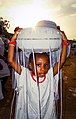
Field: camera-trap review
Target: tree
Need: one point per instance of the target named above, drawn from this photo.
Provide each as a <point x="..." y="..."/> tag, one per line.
<point x="5" y="25"/>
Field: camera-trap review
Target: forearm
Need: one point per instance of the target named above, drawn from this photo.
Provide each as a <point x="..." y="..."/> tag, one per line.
<point x="16" y="66"/>
<point x="63" y="56"/>
<point x="60" y="64"/>
<point x="11" y="48"/>
<point x="11" y="58"/>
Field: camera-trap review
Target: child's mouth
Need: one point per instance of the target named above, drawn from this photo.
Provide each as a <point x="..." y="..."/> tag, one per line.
<point x="41" y="75"/>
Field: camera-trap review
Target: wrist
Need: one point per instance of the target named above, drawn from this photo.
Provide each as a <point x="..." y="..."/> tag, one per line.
<point x="65" y="43"/>
<point x="12" y="43"/>
<point x="15" y="36"/>
<point x="16" y="33"/>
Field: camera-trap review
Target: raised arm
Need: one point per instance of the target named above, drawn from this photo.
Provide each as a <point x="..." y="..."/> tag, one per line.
<point x="11" y="49"/>
<point x="63" y="53"/>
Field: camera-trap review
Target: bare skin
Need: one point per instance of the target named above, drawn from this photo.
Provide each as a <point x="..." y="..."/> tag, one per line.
<point x="41" y="63"/>
<point x="17" y="66"/>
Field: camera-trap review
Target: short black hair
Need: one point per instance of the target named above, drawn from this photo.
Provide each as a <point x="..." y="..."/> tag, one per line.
<point x="31" y="55"/>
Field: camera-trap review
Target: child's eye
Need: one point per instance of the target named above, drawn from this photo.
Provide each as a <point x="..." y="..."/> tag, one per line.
<point x="46" y="65"/>
<point x="38" y="65"/>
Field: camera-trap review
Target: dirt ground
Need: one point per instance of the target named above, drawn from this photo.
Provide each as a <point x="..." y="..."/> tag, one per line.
<point x="69" y="87"/>
<point x="69" y="91"/>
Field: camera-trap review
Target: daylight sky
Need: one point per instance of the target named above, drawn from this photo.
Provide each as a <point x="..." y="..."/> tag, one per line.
<point x="26" y="13"/>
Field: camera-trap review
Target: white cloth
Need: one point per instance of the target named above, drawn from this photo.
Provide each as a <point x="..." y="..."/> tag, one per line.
<point x="27" y="99"/>
<point x="68" y="50"/>
<point x="57" y="77"/>
<point x="39" y="38"/>
<point x="14" y="82"/>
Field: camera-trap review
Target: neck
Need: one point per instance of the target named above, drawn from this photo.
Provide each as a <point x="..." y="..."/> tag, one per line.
<point x="38" y="79"/>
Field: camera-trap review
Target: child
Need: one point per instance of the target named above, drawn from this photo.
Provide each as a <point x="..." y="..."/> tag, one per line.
<point x="35" y="99"/>
<point x="42" y="65"/>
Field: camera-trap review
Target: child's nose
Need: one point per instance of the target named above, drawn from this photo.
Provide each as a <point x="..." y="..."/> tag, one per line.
<point x="42" y="69"/>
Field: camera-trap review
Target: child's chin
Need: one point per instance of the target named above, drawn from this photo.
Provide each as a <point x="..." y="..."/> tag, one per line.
<point x="41" y="76"/>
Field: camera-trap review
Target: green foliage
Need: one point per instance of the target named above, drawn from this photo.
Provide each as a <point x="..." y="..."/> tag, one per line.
<point x="5" y="25"/>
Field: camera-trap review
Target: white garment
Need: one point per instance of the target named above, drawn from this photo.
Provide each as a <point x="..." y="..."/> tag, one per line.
<point x="14" y="81"/>
<point x="27" y="99"/>
<point x="68" y="50"/>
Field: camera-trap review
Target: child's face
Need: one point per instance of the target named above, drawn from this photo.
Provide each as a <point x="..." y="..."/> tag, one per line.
<point x="42" y="65"/>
